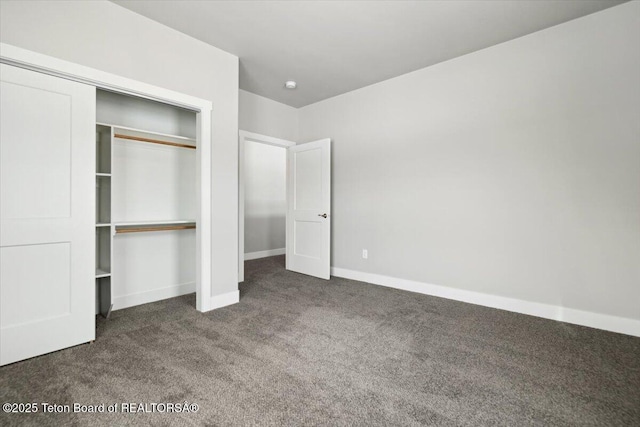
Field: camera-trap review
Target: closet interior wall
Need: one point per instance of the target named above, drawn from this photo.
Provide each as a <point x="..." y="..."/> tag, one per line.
<point x="146" y="201"/>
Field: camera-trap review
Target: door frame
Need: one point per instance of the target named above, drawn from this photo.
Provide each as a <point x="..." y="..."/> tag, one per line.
<point x="243" y="137"/>
<point x="23" y="58"/>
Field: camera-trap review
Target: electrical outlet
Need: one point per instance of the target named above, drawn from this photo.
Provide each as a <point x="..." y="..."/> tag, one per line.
<point x="365" y="254"/>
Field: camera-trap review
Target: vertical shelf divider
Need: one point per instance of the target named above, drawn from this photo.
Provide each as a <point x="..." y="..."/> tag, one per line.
<point x="104" y="211"/>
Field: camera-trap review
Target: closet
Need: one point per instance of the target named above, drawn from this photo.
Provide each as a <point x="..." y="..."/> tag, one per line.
<point x="145" y="201"/>
<point x="104" y="200"/>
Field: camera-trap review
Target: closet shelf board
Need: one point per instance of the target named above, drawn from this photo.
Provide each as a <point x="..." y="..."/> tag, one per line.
<point x="102" y="273"/>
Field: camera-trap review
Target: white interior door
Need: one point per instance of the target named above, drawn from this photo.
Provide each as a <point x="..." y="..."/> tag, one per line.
<point x="47" y="213"/>
<point x="309" y="208"/>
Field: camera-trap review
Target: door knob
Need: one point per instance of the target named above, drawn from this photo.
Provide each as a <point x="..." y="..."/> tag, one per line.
<point x="323" y="215"/>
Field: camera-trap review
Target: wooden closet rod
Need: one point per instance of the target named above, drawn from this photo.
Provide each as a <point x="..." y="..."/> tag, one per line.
<point x="154" y="141"/>
<point x="156" y="228"/>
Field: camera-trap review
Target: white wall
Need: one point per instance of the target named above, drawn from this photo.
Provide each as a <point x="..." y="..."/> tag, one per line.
<point x="513" y="171"/>
<point x="265" y="197"/>
<point x="117" y="109"/>
<point x="267" y="117"/>
<point x="107" y="37"/>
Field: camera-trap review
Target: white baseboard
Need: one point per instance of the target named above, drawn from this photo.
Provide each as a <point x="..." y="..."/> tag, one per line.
<point x="224" y="300"/>
<point x="153" y="295"/>
<point x="264" y="254"/>
<point x="584" y="318"/>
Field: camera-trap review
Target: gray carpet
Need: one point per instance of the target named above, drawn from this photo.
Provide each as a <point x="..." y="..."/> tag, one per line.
<point x="302" y="351"/>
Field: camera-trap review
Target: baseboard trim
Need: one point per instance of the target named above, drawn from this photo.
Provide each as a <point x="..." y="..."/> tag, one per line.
<point x="224" y="300"/>
<point x="569" y="315"/>
<point x="263" y="254"/>
<point x="153" y="295"/>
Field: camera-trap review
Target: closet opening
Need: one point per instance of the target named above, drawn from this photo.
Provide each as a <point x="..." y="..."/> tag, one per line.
<point x="146" y="201"/>
<point x="87" y="190"/>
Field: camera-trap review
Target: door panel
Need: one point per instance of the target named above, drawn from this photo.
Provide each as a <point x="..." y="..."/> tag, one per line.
<point x="309" y="208"/>
<point x="308" y="180"/>
<point x="49" y="292"/>
<point x="47" y="198"/>
<point x="306" y="236"/>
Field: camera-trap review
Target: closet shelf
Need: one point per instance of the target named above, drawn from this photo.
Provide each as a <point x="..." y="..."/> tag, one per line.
<point x="126" y="129"/>
<point x="153" y="141"/>
<point x="103" y="174"/>
<point x="154" y="228"/>
<point x="103" y="224"/>
<point x="123" y="132"/>
<point x="155" y="222"/>
<point x="102" y="273"/>
<point x="139" y="227"/>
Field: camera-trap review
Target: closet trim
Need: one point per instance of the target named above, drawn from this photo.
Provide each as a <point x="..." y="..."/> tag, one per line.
<point x="34" y="61"/>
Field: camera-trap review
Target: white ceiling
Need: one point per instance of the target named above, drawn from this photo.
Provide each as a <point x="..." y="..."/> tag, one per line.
<point x="333" y="47"/>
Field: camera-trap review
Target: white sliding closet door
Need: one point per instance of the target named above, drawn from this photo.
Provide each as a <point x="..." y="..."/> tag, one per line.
<point x="47" y="209"/>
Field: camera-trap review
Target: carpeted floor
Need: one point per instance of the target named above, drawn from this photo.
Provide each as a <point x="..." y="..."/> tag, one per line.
<point x="302" y="351"/>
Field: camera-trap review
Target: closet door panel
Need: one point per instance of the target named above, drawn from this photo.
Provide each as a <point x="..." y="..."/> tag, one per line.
<point x="47" y="162"/>
<point x="24" y="193"/>
<point x="48" y="295"/>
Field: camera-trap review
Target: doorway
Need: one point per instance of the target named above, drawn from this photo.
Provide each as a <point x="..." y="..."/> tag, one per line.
<point x="307" y="199"/>
<point x="262" y="197"/>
